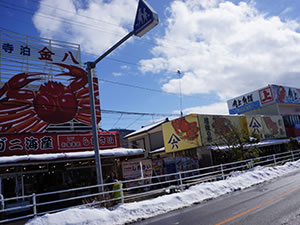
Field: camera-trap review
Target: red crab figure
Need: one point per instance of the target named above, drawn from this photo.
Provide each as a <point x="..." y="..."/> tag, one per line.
<point x="184" y="129"/>
<point x="24" y="110"/>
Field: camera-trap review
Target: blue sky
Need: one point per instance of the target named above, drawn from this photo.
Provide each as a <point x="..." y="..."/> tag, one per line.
<point x="222" y="48"/>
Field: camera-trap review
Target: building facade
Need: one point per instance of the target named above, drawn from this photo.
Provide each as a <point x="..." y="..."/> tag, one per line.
<point x="271" y="100"/>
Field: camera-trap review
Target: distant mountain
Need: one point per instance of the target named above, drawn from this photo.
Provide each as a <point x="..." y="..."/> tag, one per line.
<point x="123" y="133"/>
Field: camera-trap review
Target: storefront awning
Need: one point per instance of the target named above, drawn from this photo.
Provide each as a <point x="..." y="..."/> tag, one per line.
<point x="109" y="153"/>
<point x="263" y="143"/>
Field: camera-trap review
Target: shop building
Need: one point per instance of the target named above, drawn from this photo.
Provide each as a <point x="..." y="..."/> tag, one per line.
<point x="271" y="100"/>
<point x="193" y="141"/>
<point x="45" y="120"/>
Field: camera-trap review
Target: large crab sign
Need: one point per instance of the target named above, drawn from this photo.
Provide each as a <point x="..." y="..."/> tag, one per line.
<point x="186" y="130"/>
<point x="23" y="110"/>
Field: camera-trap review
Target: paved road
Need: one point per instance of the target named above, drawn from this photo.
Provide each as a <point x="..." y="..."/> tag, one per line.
<point x="271" y="203"/>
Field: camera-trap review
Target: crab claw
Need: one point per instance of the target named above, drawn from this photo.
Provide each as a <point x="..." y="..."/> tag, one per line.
<point x="22" y="79"/>
<point x="74" y="71"/>
<point x="3" y="89"/>
<point x="18" y="81"/>
<point x="80" y="76"/>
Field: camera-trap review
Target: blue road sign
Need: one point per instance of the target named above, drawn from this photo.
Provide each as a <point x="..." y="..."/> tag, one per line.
<point x="146" y="18"/>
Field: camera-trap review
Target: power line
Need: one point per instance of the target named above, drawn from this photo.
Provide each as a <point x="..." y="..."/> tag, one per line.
<point x="134" y="121"/>
<point x="89" y="26"/>
<point x="148" y="89"/>
<point x="29" y="11"/>
<point x="137" y="113"/>
<point x="117" y="120"/>
<point x="110" y="81"/>
<point x="88" y="17"/>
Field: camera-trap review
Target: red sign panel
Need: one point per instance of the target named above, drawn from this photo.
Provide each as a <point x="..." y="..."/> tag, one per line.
<point x="23" y="144"/>
<point x="266" y="95"/>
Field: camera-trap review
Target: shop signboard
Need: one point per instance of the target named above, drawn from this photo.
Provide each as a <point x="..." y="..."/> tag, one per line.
<point x="42" y="84"/>
<point x="286" y="94"/>
<point x="218" y="129"/>
<point x="244" y="103"/>
<point x="23" y="144"/>
<point x="273" y="127"/>
<point x="41" y="52"/>
<point x="182" y="133"/>
<point x="262" y="97"/>
<point x="132" y="170"/>
<point x="251" y="101"/>
<point x="255" y="125"/>
<point x="266" y="95"/>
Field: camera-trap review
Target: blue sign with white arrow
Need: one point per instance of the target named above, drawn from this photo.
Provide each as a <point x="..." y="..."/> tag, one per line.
<point x="146" y="18"/>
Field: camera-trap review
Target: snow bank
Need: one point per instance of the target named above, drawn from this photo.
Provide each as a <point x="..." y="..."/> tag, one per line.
<point x="130" y="212"/>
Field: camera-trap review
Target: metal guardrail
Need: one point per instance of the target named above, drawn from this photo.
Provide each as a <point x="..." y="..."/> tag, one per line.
<point x="23" y="207"/>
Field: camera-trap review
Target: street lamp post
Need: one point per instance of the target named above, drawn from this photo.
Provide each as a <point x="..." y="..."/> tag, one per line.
<point x="146" y="18"/>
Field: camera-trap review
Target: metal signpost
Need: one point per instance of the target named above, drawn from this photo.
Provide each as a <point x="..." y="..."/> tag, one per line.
<point x="146" y="18"/>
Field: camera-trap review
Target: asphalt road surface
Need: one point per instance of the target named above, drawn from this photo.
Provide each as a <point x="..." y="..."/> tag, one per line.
<point x="276" y="202"/>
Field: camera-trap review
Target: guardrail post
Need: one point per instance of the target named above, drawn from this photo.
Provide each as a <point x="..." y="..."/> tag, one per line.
<point x="180" y="180"/>
<point x="293" y="159"/>
<point x="252" y="163"/>
<point x="274" y="158"/>
<point x="121" y="191"/>
<point x="34" y="204"/>
<point x="222" y="170"/>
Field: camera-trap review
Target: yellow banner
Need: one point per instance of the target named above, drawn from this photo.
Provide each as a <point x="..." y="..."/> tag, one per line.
<point x="217" y="129"/>
<point x="182" y="133"/>
<point x="273" y="127"/>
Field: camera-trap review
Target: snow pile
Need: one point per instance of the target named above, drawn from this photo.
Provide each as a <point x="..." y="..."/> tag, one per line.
<point x="130" y="212"/>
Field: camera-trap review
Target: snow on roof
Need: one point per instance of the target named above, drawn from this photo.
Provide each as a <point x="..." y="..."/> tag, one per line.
<point x="147" y="128"/>
<point x="259" y="144"/>
<point x="158" y="150"/>
<point x="116" y="152"/>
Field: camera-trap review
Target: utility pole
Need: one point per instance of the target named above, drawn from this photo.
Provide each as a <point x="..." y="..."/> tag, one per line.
<point x="180" y="94"/>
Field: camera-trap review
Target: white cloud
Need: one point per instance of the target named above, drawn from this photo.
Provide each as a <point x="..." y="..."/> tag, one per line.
<point x="117" y="74"/>
<point x="125" y="67"/>
<point x="226" y="48"/>
<point x="219" y="108"/>
<point x="71" y="21"/>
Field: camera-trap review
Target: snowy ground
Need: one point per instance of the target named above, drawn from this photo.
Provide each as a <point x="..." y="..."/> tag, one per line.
<point x="130" y="212"/>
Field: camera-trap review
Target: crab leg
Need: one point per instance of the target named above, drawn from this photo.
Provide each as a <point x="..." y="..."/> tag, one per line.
<point x="5" y="128"/>
<point x="84" y="116"/>
<point x="14" y="106"/>
<point x="80" y="76"/>
<point x="24" y="126"/>
<point x="18" y="81"/>
<point x="84" y="119"/>
<point x="84" y="93"/>
<point x="40" y="127"/>
<point x="87" y="112"/>
<point x="20" y="94"/>
<point x="16" y="118"/>
<point x="85" y="103"/>
<point x="3" y="89"/>
<point x="22" y="79"/>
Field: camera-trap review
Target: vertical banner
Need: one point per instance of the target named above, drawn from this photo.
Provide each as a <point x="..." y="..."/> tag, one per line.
<point x="273" y="127"/>
<point x="286" y="94"/>
<point x="182" y="133"/>
<point x="132" y="170"/>
<point x="218" y="129"/>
